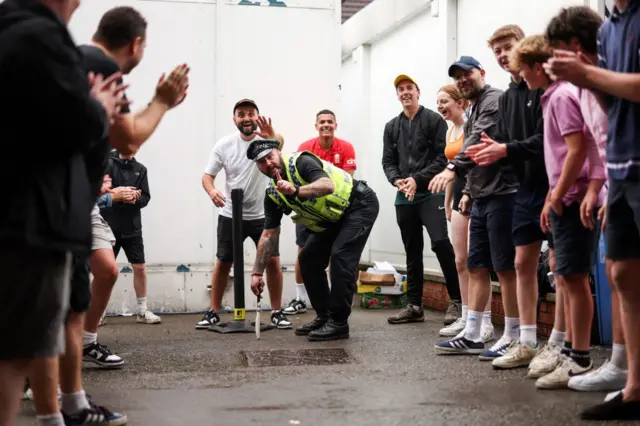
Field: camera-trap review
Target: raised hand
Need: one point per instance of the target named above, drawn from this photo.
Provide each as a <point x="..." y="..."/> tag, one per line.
<point x="109" y="92"/>
<point x="172" y="90"/>
<point x="265" y="128"/>
<point x="283" y="186"/>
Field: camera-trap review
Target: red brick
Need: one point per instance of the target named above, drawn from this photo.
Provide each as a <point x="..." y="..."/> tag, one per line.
<point x="546" y="319"/>
<point x="433" y="286"/>
<point x="497" y="319"/>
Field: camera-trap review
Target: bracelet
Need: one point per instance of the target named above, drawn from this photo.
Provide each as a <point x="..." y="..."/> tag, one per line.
<point x="297" y="191"/>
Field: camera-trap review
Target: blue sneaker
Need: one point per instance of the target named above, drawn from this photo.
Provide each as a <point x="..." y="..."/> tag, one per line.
<point x="95" y="415"/>
<point x="460" y="345"/>
<point x="497" y="350"/>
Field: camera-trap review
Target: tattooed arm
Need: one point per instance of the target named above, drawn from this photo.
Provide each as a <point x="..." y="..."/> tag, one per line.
<point x="321" y="187"/>
<point x="267" y="245"/>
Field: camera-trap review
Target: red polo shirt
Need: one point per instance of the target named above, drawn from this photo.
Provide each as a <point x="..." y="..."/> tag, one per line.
<point x="340" y="155"/>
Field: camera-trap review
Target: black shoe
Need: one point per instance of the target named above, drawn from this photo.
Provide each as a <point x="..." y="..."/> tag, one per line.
<point x="305" y="329"/>
<point x="209" y="319"/>
<point x="411" y="313"/>
<point x="95" y="415"/>
<point x="615" y="409"/>
<point x="101" y="355"/>
<point x="330" y="331"/>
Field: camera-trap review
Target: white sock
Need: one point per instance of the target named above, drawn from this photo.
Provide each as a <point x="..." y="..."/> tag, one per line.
<point x="557" y="337"/>
<point x="512" y="328"/>
<point x="142" y="304"/>
<point x="486" y="317"/>
<point x="465" y="312"/>
<point x="528" y="335"/>
<point x="50" y="420"/>
<point x="619" y="356"/>
<point x="472" y="329"/>
<point x="72" y="403"/>
<point x="90" y="338"/>
<point x="301" y="292"/>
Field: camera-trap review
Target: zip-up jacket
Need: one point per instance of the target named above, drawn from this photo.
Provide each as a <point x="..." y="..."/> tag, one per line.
<point x="125" y="219"/>
<point x="50" y="120"/>
<point x="415" y="148"/>
<point x="494" y="179"/>
<point x="521" y="128"/>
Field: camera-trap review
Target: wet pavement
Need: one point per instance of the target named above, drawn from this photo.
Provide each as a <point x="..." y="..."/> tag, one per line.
<point x="383" y="375"/>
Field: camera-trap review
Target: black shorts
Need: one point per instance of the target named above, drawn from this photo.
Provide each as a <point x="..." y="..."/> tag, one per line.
<point x="133" y="248"/>
<point x="623" y="220"/>
<point x="575" y="245"/>
<point x="490" y="242"/>
<point x="250" y="228"/>
<point x="526" y="224"/>
<point x="80" y="297"/>
<point x="458" y="185"/>
<point x="302" y="235"/>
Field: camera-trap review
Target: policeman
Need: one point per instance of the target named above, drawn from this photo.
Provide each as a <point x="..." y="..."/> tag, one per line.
<point x="339" y="212"/>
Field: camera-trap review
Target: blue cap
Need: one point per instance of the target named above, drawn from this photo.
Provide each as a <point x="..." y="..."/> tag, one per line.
<point x="467" y="63"/>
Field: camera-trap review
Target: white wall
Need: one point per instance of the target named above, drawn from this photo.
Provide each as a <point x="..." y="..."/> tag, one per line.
<point x="234" y="51"/>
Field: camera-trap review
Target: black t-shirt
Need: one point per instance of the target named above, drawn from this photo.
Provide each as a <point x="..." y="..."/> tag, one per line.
<point x="310" y="168"/>
<point x="96" y="61"/>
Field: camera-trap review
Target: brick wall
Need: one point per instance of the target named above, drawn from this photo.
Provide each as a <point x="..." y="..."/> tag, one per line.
<point x="435" y="296"/>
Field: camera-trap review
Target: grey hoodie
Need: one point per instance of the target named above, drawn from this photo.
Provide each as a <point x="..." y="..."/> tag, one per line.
<point x="484" y="181"/>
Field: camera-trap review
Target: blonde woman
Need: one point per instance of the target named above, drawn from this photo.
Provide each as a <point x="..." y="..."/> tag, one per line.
<point x="452" y="105"/>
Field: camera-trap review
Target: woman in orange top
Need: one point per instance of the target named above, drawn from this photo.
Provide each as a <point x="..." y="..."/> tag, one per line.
<point x="451" y="105"/>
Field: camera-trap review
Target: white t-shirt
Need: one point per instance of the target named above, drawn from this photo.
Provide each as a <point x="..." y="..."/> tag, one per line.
<point x="230" y="154"/>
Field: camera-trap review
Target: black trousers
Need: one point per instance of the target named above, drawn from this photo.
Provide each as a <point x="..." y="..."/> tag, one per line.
<point x="411" y="218"/>
<point x="343" y="244"/>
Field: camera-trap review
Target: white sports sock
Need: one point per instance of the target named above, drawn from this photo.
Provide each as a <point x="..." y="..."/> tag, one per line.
<point x="72" y="403"/>
<point x="486" y="316"/>
<point x="142" y="305"/>
<point x="472" y="329"/>
<point x="465" y="312"/>
<point x="512" y="328"/>
<point x="50" y="420"/>
<point x="90" y="338"/>
<point x="557" y="337"/>
<point x="619" y="356"/>
<point x="528" y="335"/>
<point x="301" y="292"/>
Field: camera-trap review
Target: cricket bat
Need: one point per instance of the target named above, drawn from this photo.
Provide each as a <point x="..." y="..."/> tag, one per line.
<point x="257" y="326"/>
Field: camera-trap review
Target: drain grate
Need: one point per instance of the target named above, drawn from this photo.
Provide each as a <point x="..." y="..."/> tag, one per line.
<point x="283" y="357"/>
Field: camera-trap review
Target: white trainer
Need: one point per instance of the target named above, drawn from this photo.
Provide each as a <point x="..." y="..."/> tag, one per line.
<point x="148" y="317"/>
<point x="545" y="361"/>
<point x="487" y="332"/>
<point x="452" y="330"/>
<point x="559" y="378"/>
<point x="608" y="377"/>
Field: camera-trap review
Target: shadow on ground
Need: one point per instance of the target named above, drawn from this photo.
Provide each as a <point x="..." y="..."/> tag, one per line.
<point x="386" y="375"/>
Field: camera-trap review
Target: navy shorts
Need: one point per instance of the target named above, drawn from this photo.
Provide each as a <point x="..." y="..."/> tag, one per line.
<point x="623" y="220"/>
<point x="490" y="242"/>
<point x="575" y="245"/>
<point x="526" y="225"/>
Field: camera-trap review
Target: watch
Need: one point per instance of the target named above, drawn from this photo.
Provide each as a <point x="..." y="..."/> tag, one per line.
<point x="451" y="167"/>
<point x="295" y="194"/>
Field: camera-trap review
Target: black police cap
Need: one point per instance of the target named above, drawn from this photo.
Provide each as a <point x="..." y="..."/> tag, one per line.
<point x="260" y="148"/>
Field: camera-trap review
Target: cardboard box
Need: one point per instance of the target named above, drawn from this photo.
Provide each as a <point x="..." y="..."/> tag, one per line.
<point x="377" y="279"/>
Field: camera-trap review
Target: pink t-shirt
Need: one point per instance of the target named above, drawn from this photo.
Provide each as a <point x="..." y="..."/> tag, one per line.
<point x="562" y="117"/>
<point x="596" y="126"/>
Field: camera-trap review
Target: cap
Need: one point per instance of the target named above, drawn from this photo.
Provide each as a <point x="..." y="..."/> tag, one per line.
<point x="259" y="149"/>
<point x="467" y="63"/>
<point x="403" y="77"/>
<point x="245" y="102"/>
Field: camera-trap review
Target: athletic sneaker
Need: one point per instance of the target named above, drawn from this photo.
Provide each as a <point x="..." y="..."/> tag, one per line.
<point x="460" y="345"/>
<point x="454" y="329"/>
<point x="497" y="350"/>
<point x="545" y="361"/>
<point x="487" y="332"/>
<point x="210" y="318"/>
<point x="100" y="355"/>
<point x="454" y="312"/>
<point x="559" y="378"/>
<point x="608" y="377"/>
<point x="95" y="415"/>
<point x="280" y="320"/>
<point x="295" y="307"/>
<point x="410" y="313"/>
<point x="518" y="355"/>
<point x="148" y="317"/>
<point x="28" y="394"/>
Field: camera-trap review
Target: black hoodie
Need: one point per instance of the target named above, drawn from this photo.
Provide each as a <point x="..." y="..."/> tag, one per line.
<point x="48" y="121"/>
<point x="125" y="219"/>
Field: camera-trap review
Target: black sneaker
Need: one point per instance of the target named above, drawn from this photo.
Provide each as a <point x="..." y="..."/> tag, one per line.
<point x="280" y="320"/>
<point x="100" y="355"/>
<point x="95" y="415"/>
<point x="210" y="318"/>
<point x="615" y="409"/>
<point x="295" y="307"/>
<point x="409" y="314"/>
<point x="460" y="345"/>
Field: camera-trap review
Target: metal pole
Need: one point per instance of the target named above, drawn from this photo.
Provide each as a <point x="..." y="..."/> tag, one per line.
<point x="237" y="197"/>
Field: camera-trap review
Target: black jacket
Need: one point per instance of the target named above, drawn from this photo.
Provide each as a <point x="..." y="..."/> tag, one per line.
<point x="521" y="127"/>
<point x="484" y="181"/>
<point x="125" y="219"/>
<point x="48" y="121"/>
<point x="415" y="148"/>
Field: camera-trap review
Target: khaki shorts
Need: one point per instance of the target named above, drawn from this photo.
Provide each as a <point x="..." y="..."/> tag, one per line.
<point x="103" y="237"/>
